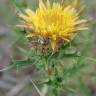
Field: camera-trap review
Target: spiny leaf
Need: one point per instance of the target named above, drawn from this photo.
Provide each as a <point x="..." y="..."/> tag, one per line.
<point x="83" y="88"/>
<point x="21" y="63"/>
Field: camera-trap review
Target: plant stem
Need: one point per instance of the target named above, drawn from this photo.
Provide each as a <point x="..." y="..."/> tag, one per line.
<point x="55" y="92"/>
<point x="40" y="94"/>
<point x="44" y="90"/>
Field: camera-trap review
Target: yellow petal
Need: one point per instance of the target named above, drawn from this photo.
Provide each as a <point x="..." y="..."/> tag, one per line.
<point x="64" y="3"/>
<point x="24" y="17"/>
<point x="53" y="44"/>
<point x="85" y="28"/>
<point x="20" y="25"/>
<point x="30" y="35"/>
<point x="29" y="12"/>
<point x="75" y="3"/>
<point x="79" y="6"/>
<point x="81" y="9"/>
<point x="48" y="4"/>
<point x="42" y="5"/>
<point x="65" y="39"/>
<point x="81" y="22"/>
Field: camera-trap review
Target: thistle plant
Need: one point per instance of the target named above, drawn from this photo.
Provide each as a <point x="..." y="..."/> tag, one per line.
<point x="52" y="32"/>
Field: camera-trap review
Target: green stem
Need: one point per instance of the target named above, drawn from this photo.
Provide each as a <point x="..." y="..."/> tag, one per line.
<point x="55" y="92"/>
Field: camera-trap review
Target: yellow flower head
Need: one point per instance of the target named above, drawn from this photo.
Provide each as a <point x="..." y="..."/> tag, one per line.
<point x="55" y="22"/>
